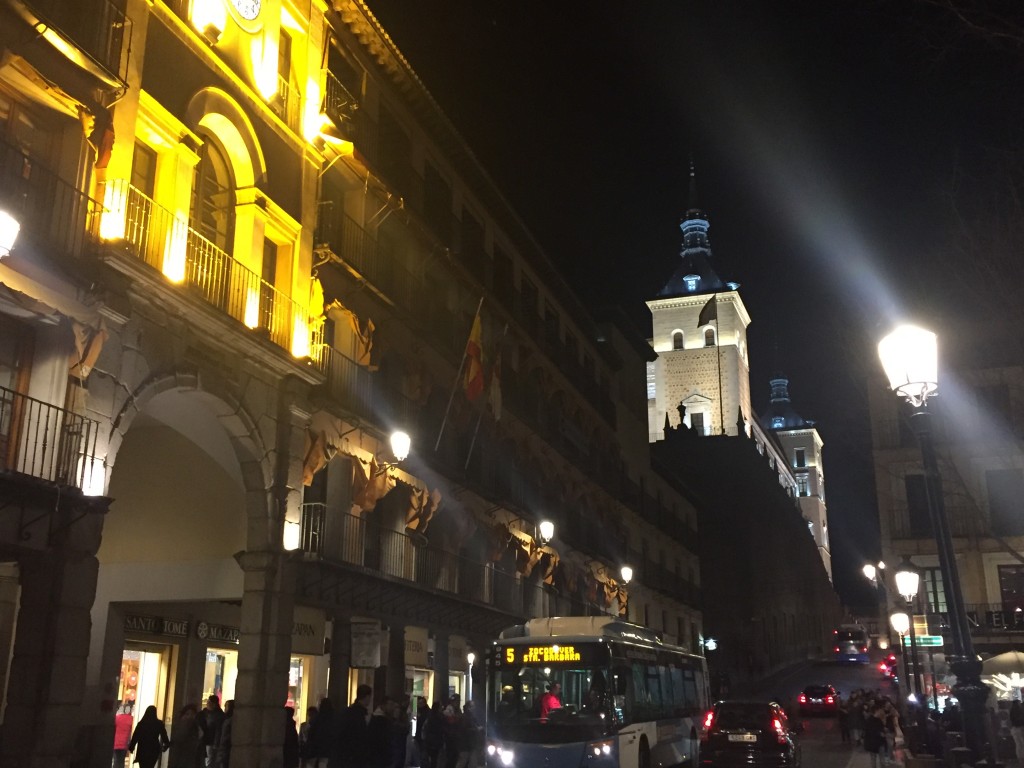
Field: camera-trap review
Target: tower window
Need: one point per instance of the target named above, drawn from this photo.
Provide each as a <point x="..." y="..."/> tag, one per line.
<point x="801" y="458"/>
<point x="691" y="282"/>
<point x="778" y="422"/>
<point x="709" y="337"/>
<point x="677" y="340"/>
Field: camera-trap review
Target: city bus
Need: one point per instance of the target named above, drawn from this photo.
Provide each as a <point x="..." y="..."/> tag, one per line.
<point x="850" y="643"/>
<point x="623" y="698"/>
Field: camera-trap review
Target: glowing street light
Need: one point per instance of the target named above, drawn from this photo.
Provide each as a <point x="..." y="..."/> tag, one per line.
<point x="547" y="531"/>
<point x="910" y="357"/>
<point x="9" y="229"/>
<point x="401" y="443"/>
<point x="626" y="573"/>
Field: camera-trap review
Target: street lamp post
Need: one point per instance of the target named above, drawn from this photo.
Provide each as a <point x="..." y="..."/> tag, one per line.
<point x="908" y="580"/>
<point x="910" y="358"/>
<point x="900" y="622"/>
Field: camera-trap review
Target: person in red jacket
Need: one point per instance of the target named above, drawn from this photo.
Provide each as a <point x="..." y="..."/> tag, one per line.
<point x="550" y="700"/>
<point x="122" y="734"/>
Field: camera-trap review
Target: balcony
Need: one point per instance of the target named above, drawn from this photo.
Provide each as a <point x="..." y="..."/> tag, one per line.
<point x="348" y="541"/>
<point x="285" y="103"/>
<point x="53" y="213"/>
<point x="43" y="441"/>
<point x="340" y="106"/>
<point x="166" y="242"/>
<point x="96" y="28"/>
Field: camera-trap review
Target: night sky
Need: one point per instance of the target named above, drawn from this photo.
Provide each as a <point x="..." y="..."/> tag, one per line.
<point x="842" y="149"/>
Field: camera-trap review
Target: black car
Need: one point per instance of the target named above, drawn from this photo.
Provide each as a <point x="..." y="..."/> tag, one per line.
<point x="819" y="699"/>
<point x="752" y="734"/>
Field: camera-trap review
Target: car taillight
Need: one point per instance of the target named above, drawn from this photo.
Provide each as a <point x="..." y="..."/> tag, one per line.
<point x="780" y="732"/>
<point x="709" y="720"/>
<point x="829" y="700"/>
<point x="864" y="649"/>
<point x="837" y="649"/>
<point x="803" y="699"/>
<point x="883" y="667"/>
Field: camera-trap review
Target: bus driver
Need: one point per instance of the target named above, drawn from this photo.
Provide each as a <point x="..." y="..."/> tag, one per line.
<point x="550" y="700"/>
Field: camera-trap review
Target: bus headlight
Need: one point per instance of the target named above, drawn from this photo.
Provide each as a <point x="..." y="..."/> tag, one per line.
<point x="600" y="748"/>
<point x="506" y="756"/>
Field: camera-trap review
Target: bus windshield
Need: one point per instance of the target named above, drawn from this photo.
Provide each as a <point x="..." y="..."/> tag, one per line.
<point x="554" y="704"/>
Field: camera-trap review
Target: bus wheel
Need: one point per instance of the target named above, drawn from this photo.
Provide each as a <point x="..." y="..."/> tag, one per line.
<point x="645" y="754"/>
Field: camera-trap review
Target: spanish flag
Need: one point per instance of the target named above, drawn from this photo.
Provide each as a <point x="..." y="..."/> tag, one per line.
<point x="473" y="378"/>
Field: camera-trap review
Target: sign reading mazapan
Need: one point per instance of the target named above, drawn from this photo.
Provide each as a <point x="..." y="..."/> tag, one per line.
<point x="542" y="654"/>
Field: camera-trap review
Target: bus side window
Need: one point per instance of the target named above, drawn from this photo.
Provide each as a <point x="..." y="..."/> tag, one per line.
<point x="679" y="704"/>
<point x="667" y="690"/>
<point x="691" y="695"/>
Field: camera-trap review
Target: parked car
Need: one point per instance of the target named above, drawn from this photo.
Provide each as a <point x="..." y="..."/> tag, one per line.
<point x="819" y="700"/>
<point x="752" y="734"/>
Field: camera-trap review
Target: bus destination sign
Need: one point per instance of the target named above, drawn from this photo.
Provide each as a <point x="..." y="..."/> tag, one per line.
<point x="554" y="653"/>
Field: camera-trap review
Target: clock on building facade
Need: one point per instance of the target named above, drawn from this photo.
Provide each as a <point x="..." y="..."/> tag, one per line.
<point x="247" y="10"/>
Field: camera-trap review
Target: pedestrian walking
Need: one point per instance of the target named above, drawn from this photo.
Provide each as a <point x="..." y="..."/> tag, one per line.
<point x="1017" y="730"/>
<point x="857" y="704"/>
<point x="186" y="746"/>
<point x="291" y="739"/>
<point x="350" y="749"/>
<point x="149" y="740"/>
<point x="874" y="736"/>
<point x="210" y="721"/>
<point x="123" y="721"/>
<point x="433" y="736"/>
<point x="321" y="735"/>
<point x="470" y="738"/>
<point x="378" y="735"/>
<point x="843" y="716"/>
<point x="222" y="748"/>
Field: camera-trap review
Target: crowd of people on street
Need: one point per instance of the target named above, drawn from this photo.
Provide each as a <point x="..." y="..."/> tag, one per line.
<point x="386" y="734"/>
<point x="872" y="720"/>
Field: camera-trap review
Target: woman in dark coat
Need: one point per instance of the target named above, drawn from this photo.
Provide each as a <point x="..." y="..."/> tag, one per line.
<point x="186" y="751"/>
<point x="149" y="740"/>
<point x="874" y="736"/>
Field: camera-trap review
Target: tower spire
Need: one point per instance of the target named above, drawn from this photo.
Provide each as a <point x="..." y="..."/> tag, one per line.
<point x="693" y="186"/>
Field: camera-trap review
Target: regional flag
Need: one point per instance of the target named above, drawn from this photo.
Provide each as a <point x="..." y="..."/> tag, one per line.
<point x="709" y="312"/>
<point x="473" y="377"/>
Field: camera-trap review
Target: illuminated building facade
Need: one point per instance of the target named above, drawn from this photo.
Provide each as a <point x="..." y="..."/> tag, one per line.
<point x="251" y="248"/>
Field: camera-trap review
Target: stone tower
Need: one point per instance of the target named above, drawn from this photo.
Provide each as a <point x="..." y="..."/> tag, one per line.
<point x="801" y="444"/>
<point x="699" y="330"/>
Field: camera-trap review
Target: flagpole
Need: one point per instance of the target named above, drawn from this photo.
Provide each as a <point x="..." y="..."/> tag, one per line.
<point x="718" y="354"/>
<point x="455" y="384"/>
<point x="480" y="415"/>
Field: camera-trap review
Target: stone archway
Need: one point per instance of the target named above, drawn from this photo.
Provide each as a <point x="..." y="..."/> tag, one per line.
<point x="205" y="487"/>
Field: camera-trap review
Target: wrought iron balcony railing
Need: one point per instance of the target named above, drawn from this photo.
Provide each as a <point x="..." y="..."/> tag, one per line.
<point x="347" y="539"/>
<point x="46" y="442"/>
<point x="286" y="103"/>
<point x="340" y="105"/>
<point x="166" y="242"/>
<point x="53" y="213"/>
<point x="97" y="27"/>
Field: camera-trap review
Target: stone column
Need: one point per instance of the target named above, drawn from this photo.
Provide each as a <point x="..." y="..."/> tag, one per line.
<point x="440" y="666"/>
<point x="395" y="687"/>
<point x="263" y="655"/>
<point x="47" y="677"/>
<point x="341" y="657"/>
